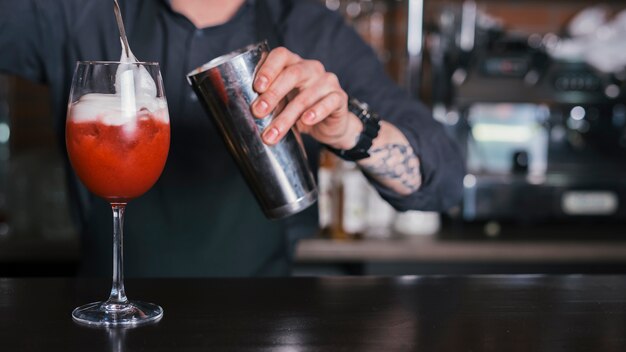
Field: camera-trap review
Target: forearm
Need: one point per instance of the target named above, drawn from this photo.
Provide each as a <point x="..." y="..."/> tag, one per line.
<point x="392" y="161"/>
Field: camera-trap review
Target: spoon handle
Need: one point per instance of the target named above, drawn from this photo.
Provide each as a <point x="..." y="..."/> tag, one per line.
<point x="120" y="26"/>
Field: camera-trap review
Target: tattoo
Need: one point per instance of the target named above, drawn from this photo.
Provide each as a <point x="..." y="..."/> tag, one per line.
<point x="395" y="162"/>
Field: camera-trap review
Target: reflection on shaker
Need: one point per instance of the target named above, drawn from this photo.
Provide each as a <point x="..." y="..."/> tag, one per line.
<point x="278" y="175"/>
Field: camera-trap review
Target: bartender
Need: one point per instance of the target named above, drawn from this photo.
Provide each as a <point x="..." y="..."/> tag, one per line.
<point x="200" y="219"/>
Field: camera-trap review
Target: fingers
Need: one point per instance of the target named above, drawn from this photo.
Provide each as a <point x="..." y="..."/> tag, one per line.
<point x="273" y="65"/>
<point x="325" y="107"/>
<point x="296" y="76"/>
<point x="334" y="99"/>
<point x="324" y="110"/>
<point x="310" y="107"/>
<point x="291" y="113"/>
<point x="289" y="79"/>
<point x="316" y="102"/>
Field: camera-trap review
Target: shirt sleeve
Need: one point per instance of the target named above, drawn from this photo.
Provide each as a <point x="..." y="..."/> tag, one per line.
<point x="318" y="33"/>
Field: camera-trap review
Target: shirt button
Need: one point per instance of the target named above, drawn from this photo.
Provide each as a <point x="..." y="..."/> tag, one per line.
<point x="193" y="96"/>
<point x="199" y="33"/>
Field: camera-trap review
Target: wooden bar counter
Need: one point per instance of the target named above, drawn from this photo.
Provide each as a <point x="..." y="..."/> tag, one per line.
<point x="407" y="313"/>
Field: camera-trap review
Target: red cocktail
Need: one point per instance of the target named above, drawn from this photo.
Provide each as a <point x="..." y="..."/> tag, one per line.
<point x="118" y="162"/>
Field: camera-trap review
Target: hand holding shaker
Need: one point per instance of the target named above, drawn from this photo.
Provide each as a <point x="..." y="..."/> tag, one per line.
<point x="278" y="175"/>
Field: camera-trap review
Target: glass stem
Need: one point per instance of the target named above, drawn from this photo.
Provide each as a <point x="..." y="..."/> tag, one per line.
<point x="118" y="295"/>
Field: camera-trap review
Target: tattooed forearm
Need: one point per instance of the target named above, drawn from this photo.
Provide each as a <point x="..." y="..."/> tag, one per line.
<point x="395" y="165"/>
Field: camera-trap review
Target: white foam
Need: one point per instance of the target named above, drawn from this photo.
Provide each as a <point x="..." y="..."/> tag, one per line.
<point x="135" y="89"/>
<point x="110" y="110"/>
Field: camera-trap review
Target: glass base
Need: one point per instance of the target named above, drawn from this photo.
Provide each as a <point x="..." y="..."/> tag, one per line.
<point x="105" y="314"/>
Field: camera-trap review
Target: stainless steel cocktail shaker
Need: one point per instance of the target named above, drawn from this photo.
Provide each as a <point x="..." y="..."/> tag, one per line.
<point x="278" y="175"/>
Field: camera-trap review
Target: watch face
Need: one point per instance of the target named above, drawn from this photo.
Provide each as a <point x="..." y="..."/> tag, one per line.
<point x="360" y="105"/>
<point x="358" y="108"/>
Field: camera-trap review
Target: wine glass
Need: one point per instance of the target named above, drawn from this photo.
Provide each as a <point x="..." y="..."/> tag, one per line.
<point x="117" y="138"/>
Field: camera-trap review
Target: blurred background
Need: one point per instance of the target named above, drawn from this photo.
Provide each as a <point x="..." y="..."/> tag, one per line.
<point x="533" y="91"/>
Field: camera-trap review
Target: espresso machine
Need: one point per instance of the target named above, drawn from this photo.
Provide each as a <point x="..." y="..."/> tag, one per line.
<point x="544" y="139"/>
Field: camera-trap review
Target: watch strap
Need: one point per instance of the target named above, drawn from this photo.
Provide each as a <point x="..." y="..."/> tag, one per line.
<point x="371" y="126"/>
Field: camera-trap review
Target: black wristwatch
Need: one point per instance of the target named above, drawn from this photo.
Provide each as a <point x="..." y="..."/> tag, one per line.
<point x="371" y="126"/>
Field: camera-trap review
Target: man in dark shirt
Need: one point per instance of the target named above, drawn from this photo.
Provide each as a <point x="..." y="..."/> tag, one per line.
<point x="200" y="219"/>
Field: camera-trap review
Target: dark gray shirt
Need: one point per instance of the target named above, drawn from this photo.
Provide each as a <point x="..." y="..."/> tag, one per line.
<point x="200" y="218"/>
